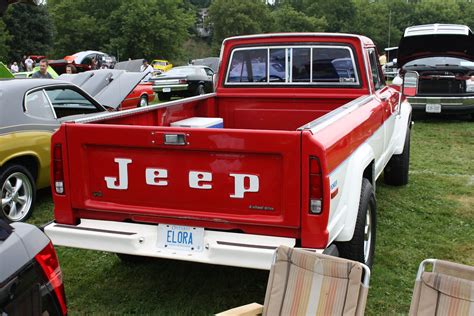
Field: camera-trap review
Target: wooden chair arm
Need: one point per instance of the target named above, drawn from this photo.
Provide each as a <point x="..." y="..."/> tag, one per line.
<point x="252" y="309"/>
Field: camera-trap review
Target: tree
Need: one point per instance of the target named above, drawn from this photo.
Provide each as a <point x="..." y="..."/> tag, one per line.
<point x="31" y="30"/>
<point x="4" y="39"/>
<point x="150" y="28"/>
<point x="339" y="14"/>
<point x="81" y="24"/>
<point x="238" y="17"/>
<point x="287" y="19"/>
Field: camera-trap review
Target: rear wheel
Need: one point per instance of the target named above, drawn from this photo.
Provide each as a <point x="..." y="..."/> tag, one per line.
<point x="143" y="101"/>
<point x="362" y="245"/>
<point x="164" y="96"/>
<point x="396" y="171"/>
<point x="18" y="192"/>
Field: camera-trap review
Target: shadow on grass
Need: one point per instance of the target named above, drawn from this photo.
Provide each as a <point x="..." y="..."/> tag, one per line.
<point x="156" y="286"/>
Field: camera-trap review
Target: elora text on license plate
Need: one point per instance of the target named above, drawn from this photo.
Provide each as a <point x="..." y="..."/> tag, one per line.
<point x="433" y="108"/>
<point x="166" y="89"/>
<point x="185" y="238"/>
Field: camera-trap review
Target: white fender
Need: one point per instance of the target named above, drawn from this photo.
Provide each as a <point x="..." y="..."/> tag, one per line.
<point x="400" y="130"/>
<point x="349" y="201"/>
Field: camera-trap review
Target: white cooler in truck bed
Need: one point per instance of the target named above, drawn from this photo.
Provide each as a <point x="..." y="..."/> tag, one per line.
<point x="200" y="122"/>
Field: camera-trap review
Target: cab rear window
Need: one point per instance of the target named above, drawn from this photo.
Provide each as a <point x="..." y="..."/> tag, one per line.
<point x="293" y="65"/>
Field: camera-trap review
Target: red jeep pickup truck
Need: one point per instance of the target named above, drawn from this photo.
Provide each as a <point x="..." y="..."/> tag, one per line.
<point x="301" y="126"/>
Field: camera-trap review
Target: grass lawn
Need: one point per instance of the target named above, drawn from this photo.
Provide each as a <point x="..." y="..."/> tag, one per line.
<point x="432" y="217"/>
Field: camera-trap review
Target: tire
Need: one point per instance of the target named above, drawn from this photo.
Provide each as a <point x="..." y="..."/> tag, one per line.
<point x="200" y="90"/>
<point x="18" y="193"/>
<point x="143" y="101"/>
<point x="362" y="245"/>
<point x="162" y="96"/>
<point x="396" y="170"/>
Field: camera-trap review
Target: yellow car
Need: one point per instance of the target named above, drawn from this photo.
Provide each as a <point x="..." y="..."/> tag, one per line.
<point x="161" y="65"/>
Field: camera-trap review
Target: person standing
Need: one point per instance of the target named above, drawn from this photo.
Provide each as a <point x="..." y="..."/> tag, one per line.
<point x="43" y="71"/>
<point x="29" y="64"/>
<point x="382" y="59"/>
<point x="14" y="67"/>
<point x="70" y="69"/>
<point x="146" y="68"/>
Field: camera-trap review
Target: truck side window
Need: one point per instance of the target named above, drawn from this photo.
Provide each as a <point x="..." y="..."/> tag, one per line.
<point x="333" y="64"/>
<point x="374" y="67"/>
<point x="249" y="66"/>
<point x="277" y="64"/>
<point x="301" y="67"/>
<point x="37" y="105"/>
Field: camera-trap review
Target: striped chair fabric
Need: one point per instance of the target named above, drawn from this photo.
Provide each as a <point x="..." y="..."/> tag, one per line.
<point x="302" y="282"/>
<point x="447" y="290"/>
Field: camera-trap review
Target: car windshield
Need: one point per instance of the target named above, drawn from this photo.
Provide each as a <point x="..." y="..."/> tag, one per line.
<point x="440" y="61"/>
<point x="181" y="71"/>
<point x="159" y="63"/>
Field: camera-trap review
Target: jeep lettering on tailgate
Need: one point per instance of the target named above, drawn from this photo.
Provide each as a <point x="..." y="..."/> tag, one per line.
<point x="243" y="183"/>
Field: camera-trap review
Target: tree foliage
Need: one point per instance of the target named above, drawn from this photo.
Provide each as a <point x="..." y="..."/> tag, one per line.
<point x="31" y="30"/>
<point x="150" y="28"/>
<point x="129" y="29"/>
<point x="159" y="28"/>
<point x="238" y="17"/>
<point x="288" y="19"/>
<point x="4" y="39"/>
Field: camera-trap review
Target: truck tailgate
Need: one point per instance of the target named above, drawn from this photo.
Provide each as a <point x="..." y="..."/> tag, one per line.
<point x="225" y="176"/>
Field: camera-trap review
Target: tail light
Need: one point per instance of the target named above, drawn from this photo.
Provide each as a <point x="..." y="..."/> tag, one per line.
<point x="315" y="186"/>
<point x="48" y="260"/>
<point x="183" y="81"/>
<point x="58" y="169"/>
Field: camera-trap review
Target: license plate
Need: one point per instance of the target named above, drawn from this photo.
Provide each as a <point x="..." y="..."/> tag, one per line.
<point x="184" y="238"/>
<point x="166" y="89"/>
<point x="433" y="108"/>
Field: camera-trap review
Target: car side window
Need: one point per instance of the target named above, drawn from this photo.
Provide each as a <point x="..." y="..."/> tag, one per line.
<point x="38" y="105"/>
<point x="374" y="67"/>
<point x="66" y="101"/>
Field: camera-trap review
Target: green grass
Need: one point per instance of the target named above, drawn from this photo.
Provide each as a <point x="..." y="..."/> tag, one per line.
<point x="432" y="217"/>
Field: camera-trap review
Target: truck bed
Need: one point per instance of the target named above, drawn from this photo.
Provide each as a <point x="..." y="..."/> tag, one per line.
<point x="263" y="111"/>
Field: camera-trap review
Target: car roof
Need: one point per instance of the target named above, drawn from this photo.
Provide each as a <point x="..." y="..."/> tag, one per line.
<point x="18" y="85"/>
<point x="437" y="29"/>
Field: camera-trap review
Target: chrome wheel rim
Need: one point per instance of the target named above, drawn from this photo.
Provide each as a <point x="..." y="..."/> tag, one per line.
<point x="143" y="102"/>
<point x="367" y="235"/>
<point x="17" y="196"/>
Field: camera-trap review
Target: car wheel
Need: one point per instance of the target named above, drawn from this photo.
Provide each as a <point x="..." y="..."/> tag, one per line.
<point x="143" y="101"/>
<point x="18" y="192"/>
<point x="396" y="170"/>
<point x="200" y="90"/>
<point x="162" y="96"/>
<point x="362" y="245"/>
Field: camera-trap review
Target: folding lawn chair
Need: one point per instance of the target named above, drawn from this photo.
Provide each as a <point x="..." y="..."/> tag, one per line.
<point x="303" y="282"/>
<point x="447" y="290"/>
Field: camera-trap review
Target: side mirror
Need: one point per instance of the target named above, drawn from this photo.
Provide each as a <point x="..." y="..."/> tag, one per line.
<point x="410" y="83"/>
